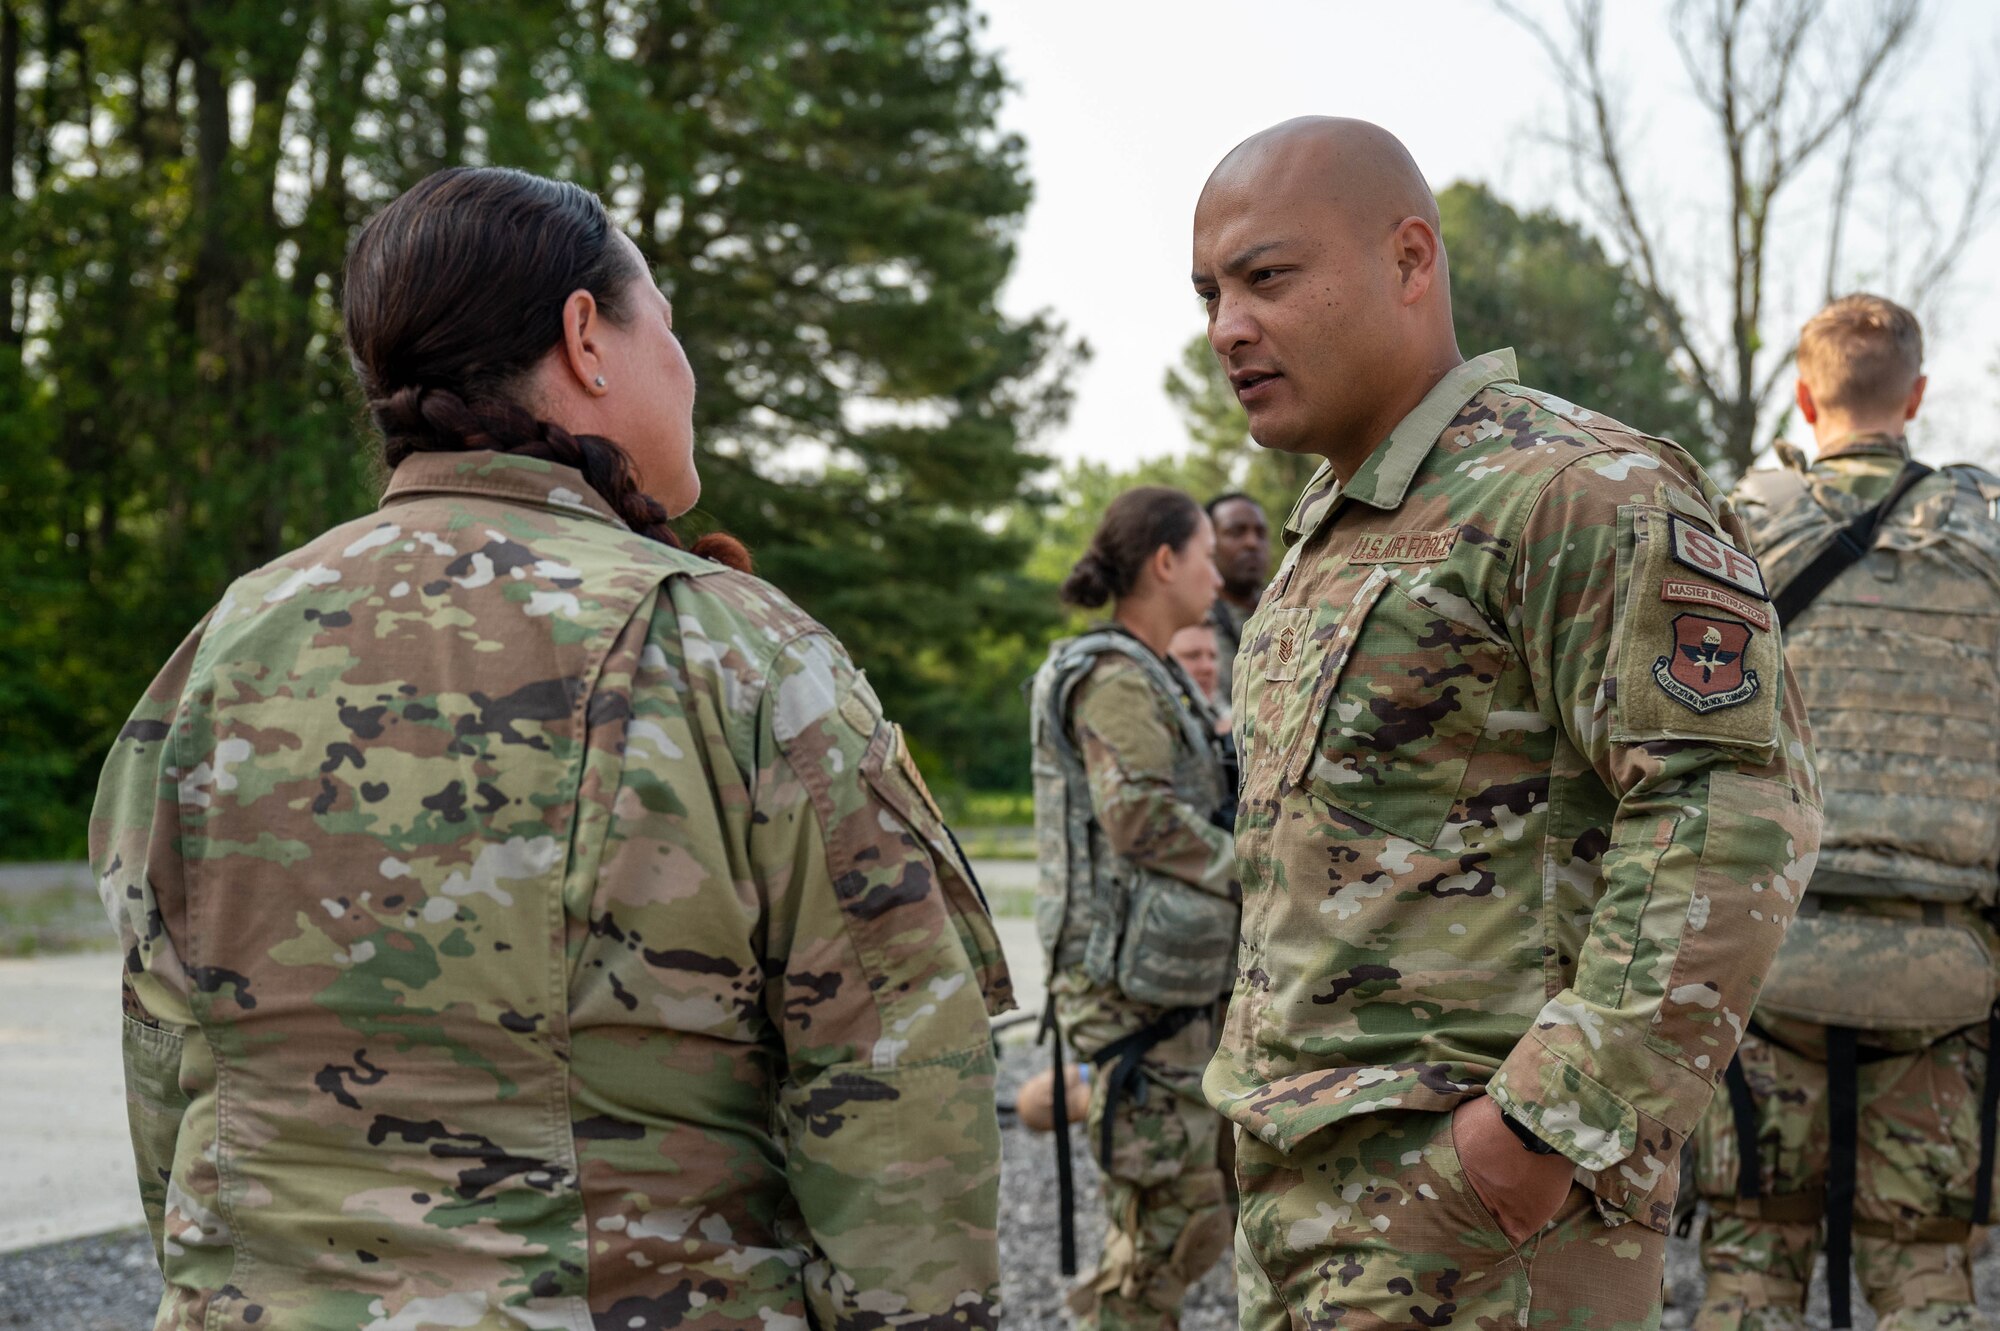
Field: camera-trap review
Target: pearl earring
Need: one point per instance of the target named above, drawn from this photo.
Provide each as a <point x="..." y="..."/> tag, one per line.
<point x="600" y="381"/>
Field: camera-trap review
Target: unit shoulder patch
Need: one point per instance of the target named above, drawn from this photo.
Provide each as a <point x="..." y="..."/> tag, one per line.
<point x="1709" y="556"/>
<point x="1704" y="668"/>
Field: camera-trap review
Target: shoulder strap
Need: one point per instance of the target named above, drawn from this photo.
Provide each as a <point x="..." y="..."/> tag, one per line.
<point x="1851" y="542"/>
<point x="1080" y="654"/>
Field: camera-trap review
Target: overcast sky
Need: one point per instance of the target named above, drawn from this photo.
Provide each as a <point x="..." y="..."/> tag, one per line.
<point x="1126" y="106"/>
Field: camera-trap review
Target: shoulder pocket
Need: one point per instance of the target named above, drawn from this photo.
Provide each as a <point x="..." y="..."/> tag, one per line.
<point x="1698" y="649"/>
<point x="1400" y="721"/>
<point x="892" y="774"/>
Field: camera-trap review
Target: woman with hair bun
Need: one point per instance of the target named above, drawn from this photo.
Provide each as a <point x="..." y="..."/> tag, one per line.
<point x="529" y="921"/>
<point x="1137" y="906"/>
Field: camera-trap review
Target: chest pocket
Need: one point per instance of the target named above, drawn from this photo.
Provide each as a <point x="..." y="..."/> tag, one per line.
<point x="1398" y="724"/>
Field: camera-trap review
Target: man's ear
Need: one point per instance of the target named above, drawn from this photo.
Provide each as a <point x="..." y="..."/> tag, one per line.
<point x="1916" y="398"/>
<point x="1807" y="407"/>
<point x="1418" y="252"/>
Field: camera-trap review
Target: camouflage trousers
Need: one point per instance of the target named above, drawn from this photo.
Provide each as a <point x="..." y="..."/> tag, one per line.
<point x="1166" y="1216"/>
<point x="1914" y="1177"/>
<point x="1371" y="1223"/>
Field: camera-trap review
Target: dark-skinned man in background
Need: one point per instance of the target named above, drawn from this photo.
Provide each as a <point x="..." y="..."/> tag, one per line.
<point x="1527" y="799"/>
<point x="1243" y="558"/>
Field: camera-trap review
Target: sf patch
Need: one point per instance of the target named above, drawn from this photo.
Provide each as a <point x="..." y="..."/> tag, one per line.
<point x="1706" y="667"/>
<point x="1710" y="557"/>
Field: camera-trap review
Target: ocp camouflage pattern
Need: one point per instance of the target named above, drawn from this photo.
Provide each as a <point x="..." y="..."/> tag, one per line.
<point x="1135" y="881"/>
<point x="1166" y="1210"/>
<point x="526" y="924"/>
<point x="1373" y="1225"/>
<point x="1152" y="794"/>
<point x="1915" y="1171"/>
<point x="1900" y="656"/>
<point x="1482" y="847"/>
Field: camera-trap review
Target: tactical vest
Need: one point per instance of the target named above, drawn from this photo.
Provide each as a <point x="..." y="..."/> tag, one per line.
<point x="1157" y="939"/>
<point x="1899" y="658"/>
<point x="1900" y="662"/>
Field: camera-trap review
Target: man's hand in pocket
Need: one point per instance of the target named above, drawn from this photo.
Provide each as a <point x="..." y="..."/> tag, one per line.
<point x="1522" y="1190"/>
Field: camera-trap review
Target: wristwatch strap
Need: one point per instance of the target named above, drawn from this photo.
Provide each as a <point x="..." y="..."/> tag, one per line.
<point x="1526" y="1135"/>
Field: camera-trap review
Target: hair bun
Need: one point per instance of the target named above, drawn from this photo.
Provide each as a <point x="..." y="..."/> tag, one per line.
<point x="724" y="549"/>
<point x="1089" y="582"/>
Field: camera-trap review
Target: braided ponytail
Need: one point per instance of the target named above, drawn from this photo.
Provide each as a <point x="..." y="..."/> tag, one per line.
<point x="454" y="293"/>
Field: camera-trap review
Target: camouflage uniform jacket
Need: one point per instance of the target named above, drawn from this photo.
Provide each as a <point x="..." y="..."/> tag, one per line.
<point x="529" y="924"/>
<point x="1527" y="796"/>
<point x="1900" y="660"/>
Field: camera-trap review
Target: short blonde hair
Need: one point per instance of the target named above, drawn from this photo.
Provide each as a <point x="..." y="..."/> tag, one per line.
<point x="1861" y="353"/>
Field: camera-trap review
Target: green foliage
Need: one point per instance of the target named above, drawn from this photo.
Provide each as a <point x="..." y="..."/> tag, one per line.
<point x="822" y="188"/>
<point x="1578" y="325"/>
<point x="53" y="920"/>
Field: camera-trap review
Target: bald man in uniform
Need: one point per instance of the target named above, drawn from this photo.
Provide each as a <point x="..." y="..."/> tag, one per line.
<point x="1527" y="799"/>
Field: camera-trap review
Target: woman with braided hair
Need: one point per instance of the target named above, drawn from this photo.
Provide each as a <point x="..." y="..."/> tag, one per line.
<point x="528" y="920"/>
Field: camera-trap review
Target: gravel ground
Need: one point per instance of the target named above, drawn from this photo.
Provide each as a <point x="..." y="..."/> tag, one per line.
<point x="109" y="1284"/>
<point x="103" y="1284"/>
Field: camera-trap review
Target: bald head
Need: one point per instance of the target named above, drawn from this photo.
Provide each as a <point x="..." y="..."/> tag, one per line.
<point x="1357" y="170"/>
<point x="1317" y="255"/>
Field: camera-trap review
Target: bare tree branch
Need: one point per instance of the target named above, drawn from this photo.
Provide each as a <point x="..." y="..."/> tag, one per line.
<point x="1604" y="151"/>
<point x="1782" y="86"/>
<point x="1976" y="209"/>
<point x="1843" y="202"/>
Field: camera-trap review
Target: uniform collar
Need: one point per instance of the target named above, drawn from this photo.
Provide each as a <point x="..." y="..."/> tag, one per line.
<point x="1871" y="442"/>
<point x="505" y="476"/>
<point x="1385" y="476"/>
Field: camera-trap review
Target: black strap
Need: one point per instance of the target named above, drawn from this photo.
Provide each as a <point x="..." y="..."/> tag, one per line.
<point x="965" y="863"/>
<point x="1124" y="1056"/>
<point x="1843" y="1112"/>
<point x="1686" y="1197"/>
<point x="1989" y="1117"/>
<point x="1745" y="1118"/>
<point x="1065" y="1181"/>
<point x="1850" y="544"/>
<point x="1743" y="1110"/>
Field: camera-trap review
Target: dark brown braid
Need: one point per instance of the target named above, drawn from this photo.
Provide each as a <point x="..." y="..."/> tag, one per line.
<point x="436" y="420"/>
<point x="455" y="292"/>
